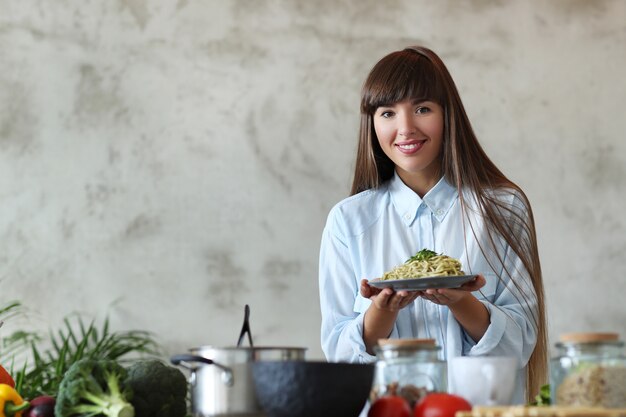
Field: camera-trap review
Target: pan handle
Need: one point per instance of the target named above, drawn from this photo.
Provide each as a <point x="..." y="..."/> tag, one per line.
<point x="185" y="359"/>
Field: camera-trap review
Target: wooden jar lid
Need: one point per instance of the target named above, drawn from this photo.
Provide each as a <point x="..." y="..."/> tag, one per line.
<point x="406" y="342"/>
<point x="589" y="337"/>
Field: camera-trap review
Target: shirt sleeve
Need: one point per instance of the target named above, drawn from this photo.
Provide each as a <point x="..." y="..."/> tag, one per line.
<point x="341" y="305"/>
<point x="512" y="308"/>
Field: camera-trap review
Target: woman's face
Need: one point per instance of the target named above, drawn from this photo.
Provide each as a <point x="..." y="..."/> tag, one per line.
<point x="410" y="133"/>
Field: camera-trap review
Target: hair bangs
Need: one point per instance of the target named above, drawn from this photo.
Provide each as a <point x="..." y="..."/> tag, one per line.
<point x="402" y="75"/>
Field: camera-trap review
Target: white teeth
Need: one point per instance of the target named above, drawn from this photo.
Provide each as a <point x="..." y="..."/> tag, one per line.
<point x="408" y="147"/>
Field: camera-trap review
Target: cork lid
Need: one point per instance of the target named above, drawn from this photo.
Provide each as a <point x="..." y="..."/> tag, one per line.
<point x="407" y="342"/>
<point x="588" y="337"/>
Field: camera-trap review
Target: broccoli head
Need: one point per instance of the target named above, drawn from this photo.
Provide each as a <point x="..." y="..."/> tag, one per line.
<point x="159" y="390"/>
<point x="93" y="387"/>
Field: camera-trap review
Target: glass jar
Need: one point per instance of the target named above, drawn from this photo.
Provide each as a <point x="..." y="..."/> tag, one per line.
<point x="589" y="370"/>
<point x="410" y="368"/>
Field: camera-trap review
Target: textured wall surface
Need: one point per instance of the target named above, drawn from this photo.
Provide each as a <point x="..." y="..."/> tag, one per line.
<point x="167" y="162"/>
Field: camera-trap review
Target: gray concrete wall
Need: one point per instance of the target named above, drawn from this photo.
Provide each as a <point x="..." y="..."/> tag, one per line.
<point x="168" y="162"/>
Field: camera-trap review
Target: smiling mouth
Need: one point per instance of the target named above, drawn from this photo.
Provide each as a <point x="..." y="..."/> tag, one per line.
<point x="409" y="147"/>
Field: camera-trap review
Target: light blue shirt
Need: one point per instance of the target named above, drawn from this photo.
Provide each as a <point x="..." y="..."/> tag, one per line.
<point x="373" y="231"/>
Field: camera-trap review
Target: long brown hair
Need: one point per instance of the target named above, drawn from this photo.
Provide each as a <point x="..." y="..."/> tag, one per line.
<point x="418" y="73"/>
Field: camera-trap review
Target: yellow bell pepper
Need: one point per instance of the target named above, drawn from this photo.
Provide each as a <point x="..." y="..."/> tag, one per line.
<point x="11" y="404"/>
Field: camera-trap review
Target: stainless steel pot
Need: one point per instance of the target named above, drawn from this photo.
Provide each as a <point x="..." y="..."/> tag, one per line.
<point x="221" y="382"/>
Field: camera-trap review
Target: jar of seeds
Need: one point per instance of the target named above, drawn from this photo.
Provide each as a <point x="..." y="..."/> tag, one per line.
<point x="589" y="370"/>
<point x="410" y="368"/>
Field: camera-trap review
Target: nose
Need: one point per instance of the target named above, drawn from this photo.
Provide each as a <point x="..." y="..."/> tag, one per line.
<point x="406" y="127"/>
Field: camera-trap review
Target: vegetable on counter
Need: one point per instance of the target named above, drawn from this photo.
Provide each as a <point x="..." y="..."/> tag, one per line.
<point x="543" y="398"/>
<point x="158" y="390"/>
<point x="93" y="387"/>
<point x="6" y="378"/>
<point x="390" y="406"/>
<point x="52" y="355"/>
<point x="86" y="368"/>
<point x="11" y="403"/>
<point x="440" y="404"/>
<point x="42" y="406"/>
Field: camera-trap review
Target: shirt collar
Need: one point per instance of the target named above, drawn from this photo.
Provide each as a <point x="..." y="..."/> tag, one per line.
<point x="406" y="202"/>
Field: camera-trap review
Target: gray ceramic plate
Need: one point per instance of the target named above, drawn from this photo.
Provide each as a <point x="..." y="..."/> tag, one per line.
<point x="425" y="283"/>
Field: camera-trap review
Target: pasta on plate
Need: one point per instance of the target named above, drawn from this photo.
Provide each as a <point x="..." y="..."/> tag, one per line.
<point x="425" y="263"/>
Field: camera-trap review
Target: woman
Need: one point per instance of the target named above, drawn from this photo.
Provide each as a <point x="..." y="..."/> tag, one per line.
<point x="422" y="180"/>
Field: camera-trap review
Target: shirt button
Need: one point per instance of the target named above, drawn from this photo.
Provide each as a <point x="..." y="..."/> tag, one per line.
<point x="407" y="216"/>
<point x="439" y="212"/>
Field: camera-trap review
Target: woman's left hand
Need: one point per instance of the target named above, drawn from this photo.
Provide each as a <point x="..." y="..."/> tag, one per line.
<point x="449" y="296"/>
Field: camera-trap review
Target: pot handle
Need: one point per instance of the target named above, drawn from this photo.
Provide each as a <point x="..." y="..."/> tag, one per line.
<point x="184" y="359"/>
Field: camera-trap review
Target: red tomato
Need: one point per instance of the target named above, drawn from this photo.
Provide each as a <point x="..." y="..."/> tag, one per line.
<point x="441" y="405"/>
<point x="390" y="406"/>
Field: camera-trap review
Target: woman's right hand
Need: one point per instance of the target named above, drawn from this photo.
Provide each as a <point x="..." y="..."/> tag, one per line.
<point x="387" y="299"/>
